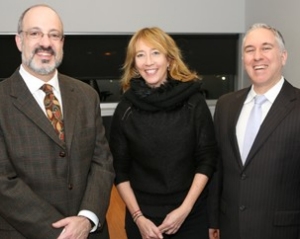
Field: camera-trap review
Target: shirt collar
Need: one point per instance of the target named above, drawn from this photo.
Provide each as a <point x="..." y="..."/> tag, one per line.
<point x="271" y="94"/>
<point x="34" y="84"/>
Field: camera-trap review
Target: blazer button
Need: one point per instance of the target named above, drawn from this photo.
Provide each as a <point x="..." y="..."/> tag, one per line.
<point x="242" y="207"/>
<point x="62" y="154"/>
<point x="243" y="176"/>
<point x="70" y="186"/>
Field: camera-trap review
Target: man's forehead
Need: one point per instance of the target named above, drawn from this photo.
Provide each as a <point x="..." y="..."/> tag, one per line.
<point x="41" y="15"/>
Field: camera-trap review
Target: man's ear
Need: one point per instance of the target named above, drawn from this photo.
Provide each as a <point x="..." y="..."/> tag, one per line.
<point x="18" y="42"/>
<point x="284" y="57"/>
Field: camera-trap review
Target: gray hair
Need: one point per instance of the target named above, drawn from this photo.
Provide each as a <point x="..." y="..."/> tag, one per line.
<point x="277" y="34"/>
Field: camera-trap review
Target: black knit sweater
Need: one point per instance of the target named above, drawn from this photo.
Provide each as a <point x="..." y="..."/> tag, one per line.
<point x="160" y="137"/>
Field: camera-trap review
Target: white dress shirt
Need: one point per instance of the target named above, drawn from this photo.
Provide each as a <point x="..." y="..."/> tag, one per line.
<point x="34" y="85"/>
<point x="271" y="95"/>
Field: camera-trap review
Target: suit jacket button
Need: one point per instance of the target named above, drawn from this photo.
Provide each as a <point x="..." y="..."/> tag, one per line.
<point x="70" y="186"/>
<point x="62" y="154"/>
<point x="243" y="176"/>
<point x="242" y="208"/>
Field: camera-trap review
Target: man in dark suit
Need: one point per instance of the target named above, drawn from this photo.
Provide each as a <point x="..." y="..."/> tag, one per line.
<point x="51" y="185"/>
<point x="256" y="195"/>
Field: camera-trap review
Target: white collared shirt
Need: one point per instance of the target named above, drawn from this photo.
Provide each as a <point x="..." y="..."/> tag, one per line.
<point x="34" y="85"/>
<point x="271" y="95"/>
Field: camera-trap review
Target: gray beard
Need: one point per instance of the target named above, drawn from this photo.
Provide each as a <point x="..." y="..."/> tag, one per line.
<point x="41" y="70"/>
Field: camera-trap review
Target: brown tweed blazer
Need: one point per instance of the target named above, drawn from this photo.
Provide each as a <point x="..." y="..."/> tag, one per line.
<point x="42" y="180"/>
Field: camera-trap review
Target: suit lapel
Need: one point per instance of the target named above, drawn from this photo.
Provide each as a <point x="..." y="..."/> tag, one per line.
<point x="281" y="107"/>
<point x="70" y="99"/>
<point x="25" y="102"/>
<point x="234" y="113"/>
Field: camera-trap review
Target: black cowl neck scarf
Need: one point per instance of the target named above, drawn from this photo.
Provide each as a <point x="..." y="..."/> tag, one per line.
<point x="168" y="96"/>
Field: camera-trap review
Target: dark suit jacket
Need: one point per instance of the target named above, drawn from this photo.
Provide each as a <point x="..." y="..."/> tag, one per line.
<point x="42" y="180"/>
<point x="260" y="200"/>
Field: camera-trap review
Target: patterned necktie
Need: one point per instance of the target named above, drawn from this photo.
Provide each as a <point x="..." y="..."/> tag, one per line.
<point x="53" y="111"/>
<point x="253" y="125"/>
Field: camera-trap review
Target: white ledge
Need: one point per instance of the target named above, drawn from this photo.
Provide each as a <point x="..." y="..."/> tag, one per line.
<point x="108" y="109"/>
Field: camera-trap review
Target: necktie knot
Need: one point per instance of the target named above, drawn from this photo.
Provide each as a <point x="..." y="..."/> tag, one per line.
<point x="260" y="100"/>
<point x="48" y="89"/>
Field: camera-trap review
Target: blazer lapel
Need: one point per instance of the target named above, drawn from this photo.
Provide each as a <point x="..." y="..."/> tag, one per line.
<point x="25" y="102"/>
<point x="234" y="113"/>
<point x="281" y="107"/>
<point x="70" y="99"/>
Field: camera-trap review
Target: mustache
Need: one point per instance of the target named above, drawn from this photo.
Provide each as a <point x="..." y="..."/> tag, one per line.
<point x="44" y="49"/>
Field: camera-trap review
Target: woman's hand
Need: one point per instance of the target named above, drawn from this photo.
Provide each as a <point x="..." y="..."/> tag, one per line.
<point x="148" y="229"/>
<point x="173" y="221"/>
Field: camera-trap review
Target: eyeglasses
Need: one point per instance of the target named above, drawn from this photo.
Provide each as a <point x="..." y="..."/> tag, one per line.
<point x="36" y="34"/>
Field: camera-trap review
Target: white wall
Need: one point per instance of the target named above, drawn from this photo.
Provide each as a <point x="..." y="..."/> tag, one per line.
<point x="283" y="15"/>
<point x="127" y="16"/>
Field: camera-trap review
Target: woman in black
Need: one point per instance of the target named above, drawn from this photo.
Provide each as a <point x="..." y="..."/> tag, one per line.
<point x="162" y="140"/>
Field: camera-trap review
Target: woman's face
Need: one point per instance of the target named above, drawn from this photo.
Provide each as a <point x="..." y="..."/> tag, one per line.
<point x="151" y="64"/>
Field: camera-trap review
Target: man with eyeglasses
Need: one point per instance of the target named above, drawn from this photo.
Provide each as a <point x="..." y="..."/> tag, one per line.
<point x="56" y="169"/>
